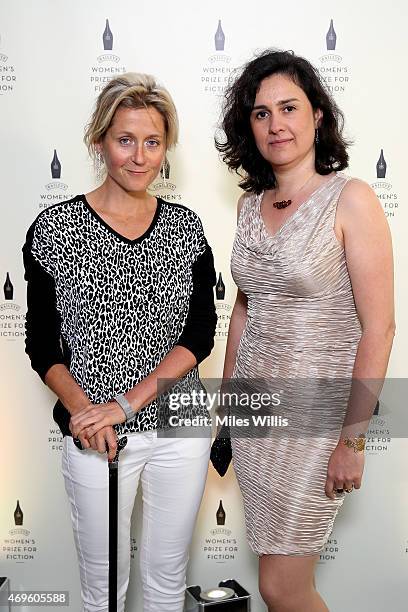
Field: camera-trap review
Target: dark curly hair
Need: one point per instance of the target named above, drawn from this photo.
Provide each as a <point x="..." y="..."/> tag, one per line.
<point x="238" y="147"/>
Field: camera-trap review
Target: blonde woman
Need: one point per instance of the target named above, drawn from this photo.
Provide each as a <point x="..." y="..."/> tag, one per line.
<point x="120" y="294"/>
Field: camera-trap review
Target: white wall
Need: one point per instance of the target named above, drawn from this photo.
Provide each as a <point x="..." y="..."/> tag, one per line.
<point x="51" y="52"/>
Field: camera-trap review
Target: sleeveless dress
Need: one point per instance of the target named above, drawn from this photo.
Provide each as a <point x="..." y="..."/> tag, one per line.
<point x="302" y="329"/>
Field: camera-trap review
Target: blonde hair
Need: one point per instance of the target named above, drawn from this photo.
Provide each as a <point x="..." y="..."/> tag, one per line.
<point x="131" y="90"/>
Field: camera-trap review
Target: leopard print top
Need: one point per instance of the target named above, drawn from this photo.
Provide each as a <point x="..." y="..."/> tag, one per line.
<point x="112" y="308"/>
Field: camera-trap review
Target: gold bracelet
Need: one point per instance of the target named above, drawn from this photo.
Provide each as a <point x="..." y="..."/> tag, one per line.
<point x="358" y="444"/>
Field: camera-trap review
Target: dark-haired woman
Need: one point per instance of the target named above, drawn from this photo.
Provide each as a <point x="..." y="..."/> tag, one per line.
<point x="312" y="259"/>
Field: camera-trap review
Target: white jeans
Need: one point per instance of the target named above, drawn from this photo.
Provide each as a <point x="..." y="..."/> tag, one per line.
<point x="173" y="472"/>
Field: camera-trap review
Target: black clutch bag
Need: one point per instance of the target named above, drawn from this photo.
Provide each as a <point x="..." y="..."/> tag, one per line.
<point x="221" y="451"/>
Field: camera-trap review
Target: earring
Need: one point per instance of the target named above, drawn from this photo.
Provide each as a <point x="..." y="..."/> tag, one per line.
<point x="99" y="166"/>
<point x="317" y="139"/>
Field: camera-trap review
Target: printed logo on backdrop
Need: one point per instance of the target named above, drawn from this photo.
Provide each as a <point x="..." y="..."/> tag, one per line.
<point x="18" y="545"/>
<point x="332" y="67"/>
<point x="383" y="187"/>
<point x="217" y="67"/>
<point x="220" y="544"/>
<point x="223" y="309"/>
<point x="378" y="436"/>
<point x="55" y="190"/>
<point x="107" y="64"/>
<point x="55" y="439"/>
<point x="12" y="321"/>
<point x="164" y="187"/>
<point x="330" y="551"/>
<point x="7" y="73"/>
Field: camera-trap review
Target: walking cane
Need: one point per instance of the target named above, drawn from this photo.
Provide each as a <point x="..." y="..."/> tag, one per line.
<point x="113" y="523"/>
<point x="113" y="527"/>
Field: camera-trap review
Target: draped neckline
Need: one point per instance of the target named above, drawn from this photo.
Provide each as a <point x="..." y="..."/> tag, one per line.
<point x="303" y="206"/>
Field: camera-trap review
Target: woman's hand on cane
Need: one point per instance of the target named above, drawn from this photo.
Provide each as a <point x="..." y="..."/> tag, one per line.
<point x="95" y="417"/>
<point x="105" y="441"/>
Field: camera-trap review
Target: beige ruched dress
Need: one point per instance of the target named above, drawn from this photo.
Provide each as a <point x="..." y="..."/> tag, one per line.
<point x="302" y="329"/>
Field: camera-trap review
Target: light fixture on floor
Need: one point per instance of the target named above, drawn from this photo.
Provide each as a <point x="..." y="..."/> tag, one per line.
<point x="228" y="596"/>
<point x="218" y="594"/>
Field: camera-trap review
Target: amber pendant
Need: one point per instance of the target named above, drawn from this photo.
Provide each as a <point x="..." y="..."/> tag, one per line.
<point x="282" y="204"/>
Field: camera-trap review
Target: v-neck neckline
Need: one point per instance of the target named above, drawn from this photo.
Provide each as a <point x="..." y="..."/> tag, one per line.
<point x="145" y="234"/>
<point x="270" y="236"/>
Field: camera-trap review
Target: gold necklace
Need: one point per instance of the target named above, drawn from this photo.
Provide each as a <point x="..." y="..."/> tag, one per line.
<point x="285" y="203"/>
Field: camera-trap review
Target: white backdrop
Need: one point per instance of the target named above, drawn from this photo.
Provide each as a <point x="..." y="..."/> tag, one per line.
<point x="52" y="65"/>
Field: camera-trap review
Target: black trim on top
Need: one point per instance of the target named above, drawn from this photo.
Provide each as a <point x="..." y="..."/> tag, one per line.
<point x="120" y="236"/>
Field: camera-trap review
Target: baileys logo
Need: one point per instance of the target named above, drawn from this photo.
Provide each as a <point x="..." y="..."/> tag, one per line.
<point x="18" y="517"/>
<point x="219" y="45"/>
<point x="12" y="320"/>
<point x="334" y="71"/>
<point x="223" y="308"/>
<point x="9" y="303"/>
<point x="220" y="288"/>
<point x="164" y="183"/>
<point x="55" y="190"/>
<point x="381" y="168"/>
<point x="8" y="288"/>
<point x="107" y="40"/>
<point x="331" y="42"/>
<point x="331" y="37"/>
<point x="107" y="65"/>
<point x="56" y="168"/>
<point x="216" y="70"/>
<point x="219" y="38"/>
<point x="107" y="37"/>
<point x="384" y="189"/>
<point x="19" y="545"/>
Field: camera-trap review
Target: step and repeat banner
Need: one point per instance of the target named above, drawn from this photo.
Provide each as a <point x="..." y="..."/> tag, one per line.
<point x="55" y="57"/>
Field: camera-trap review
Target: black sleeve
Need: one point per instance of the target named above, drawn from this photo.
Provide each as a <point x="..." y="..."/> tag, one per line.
<point x="199" y="330"/>
<point x="43" y="323"/>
